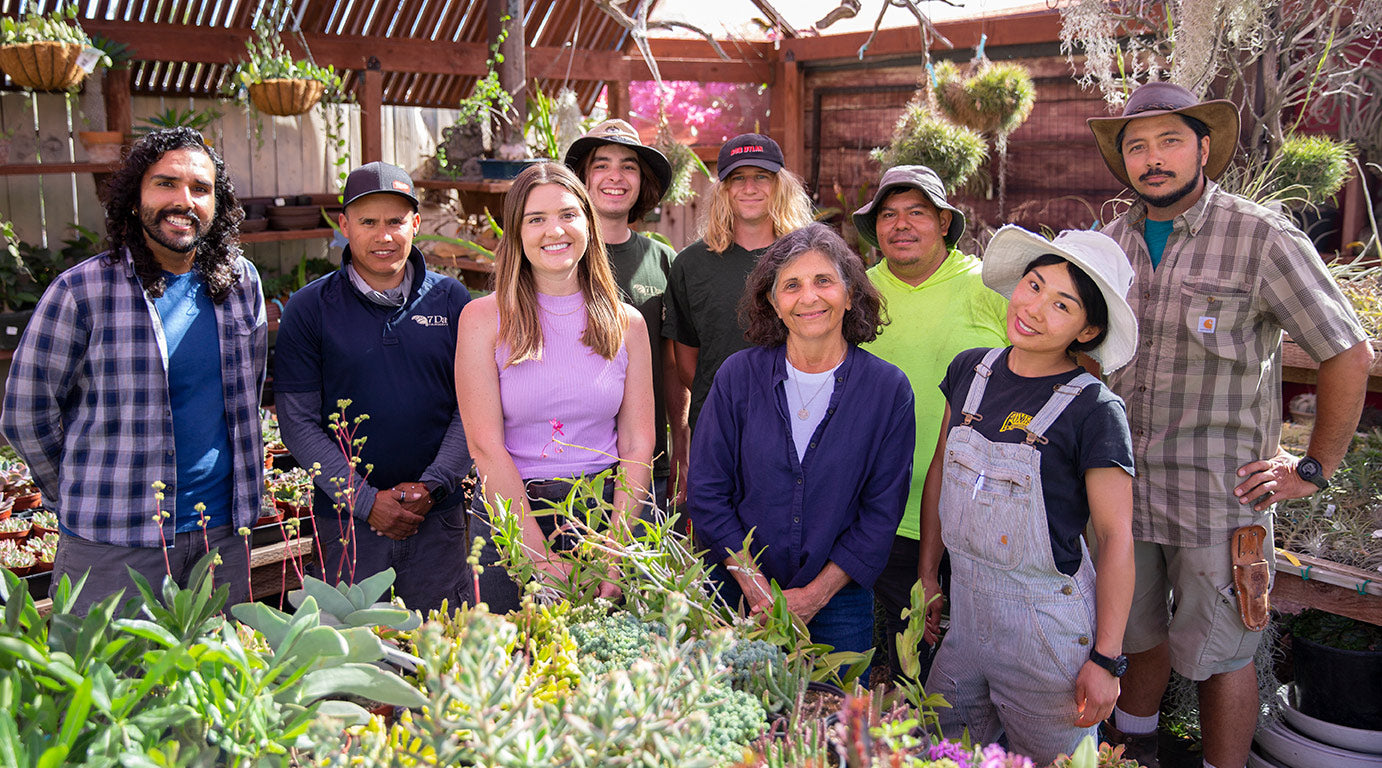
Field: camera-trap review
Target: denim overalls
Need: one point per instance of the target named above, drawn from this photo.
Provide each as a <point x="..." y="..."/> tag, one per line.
<point x="1019" y="629"/>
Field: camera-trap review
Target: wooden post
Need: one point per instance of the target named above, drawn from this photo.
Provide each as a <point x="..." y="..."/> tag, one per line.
<point x="1354" y="214"/>
<point x="793" y="132"/>
<point x="507" y="15"/>
<point x="117" y="97"/>
<point x="785" y="121"/>
<point x="617" y="99"/>
<point x="371" y="112"/>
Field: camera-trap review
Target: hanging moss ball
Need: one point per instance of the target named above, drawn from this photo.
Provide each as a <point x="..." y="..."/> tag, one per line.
<point x="996" y="99"/>
<point x="1313" y="167"/>
<point x="923" y="137"/>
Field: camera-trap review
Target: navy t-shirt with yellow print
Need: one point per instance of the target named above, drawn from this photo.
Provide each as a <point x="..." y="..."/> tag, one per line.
<point x="1091" y="433"/>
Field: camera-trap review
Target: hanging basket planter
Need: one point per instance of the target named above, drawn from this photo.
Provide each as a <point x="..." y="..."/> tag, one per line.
<point x="286" y="97"/>
<point x="42" y="66"/>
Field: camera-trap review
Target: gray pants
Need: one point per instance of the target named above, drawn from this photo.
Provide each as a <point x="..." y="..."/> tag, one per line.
<point x="430" y="565"/>
<point x="106" y="564"/>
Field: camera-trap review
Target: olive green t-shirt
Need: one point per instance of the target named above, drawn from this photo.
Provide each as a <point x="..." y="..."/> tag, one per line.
<point x="640" y="266"/>
<point x="702" y="309"/>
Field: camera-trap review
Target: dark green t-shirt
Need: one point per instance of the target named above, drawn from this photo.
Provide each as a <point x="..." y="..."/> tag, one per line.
<point x="702" y="309"/>
<point x="641" y="266"/>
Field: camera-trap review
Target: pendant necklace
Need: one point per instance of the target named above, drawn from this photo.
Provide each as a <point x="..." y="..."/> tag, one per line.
<point x="804" y="412"/>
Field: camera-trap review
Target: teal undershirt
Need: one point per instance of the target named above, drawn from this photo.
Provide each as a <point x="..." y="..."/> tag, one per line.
<point x="195" y="390"/>
<point x="1156" y="234"/>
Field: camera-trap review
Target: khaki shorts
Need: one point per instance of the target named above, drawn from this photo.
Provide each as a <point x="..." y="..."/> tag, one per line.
<point x="1184" y="597"/>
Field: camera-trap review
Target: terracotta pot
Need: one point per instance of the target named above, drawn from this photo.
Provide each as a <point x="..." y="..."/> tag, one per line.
<point x="4" y="535"/>
<point x="27" y="501"/>
<point x="286" y="97"/>
<point x="21" y="572"/>
<point x="5" y="509"/>
<point x="269" y="519"/>
<point x="102" y="146"/>
<point x="44" y="66"/>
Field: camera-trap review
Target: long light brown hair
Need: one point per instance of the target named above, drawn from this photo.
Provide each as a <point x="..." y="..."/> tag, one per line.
<point x="789" y="209"/>
<point x="516" y="291"/>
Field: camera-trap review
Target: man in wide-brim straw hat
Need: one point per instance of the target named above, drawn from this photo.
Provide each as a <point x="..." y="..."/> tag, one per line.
<point x="1218" y="280"/>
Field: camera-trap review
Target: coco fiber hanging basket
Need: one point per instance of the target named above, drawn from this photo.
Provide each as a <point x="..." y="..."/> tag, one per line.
<point x="42" y="66"/>
<point x="286" y="97"/>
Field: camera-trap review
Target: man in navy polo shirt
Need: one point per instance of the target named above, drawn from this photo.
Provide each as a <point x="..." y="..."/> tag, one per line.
<point x="380" y="332"/>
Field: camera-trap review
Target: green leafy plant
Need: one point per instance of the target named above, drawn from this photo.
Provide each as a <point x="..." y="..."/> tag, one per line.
<point x="58" y="25"/>
<point x="995" y="99"/>
<point x="1337" y="631"/>
<point x="172" y="117"/>
<point x="1318" y="165"/>
<point x="922" y="137"/>
<point x="13" y="273"/>
<point x="165" y="679"/>
<point x="267" y="58"/>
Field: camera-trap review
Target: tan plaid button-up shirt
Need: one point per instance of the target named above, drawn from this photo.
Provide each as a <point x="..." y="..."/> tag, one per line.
<point x="1204" y="391"/>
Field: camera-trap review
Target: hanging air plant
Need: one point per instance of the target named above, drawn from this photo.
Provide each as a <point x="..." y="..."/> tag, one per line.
<point x="684" y="164"/>
<point x="995" y="99"/>
<point x="923" y="137"/>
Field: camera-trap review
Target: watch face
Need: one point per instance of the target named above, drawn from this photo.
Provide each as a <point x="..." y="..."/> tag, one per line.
<point x="1308" y="468"/>
<point x="1120" y="665"/>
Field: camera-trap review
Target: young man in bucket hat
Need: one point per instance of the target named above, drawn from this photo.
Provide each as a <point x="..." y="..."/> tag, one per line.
<point x="1218" y="279"/>
<point x="939" y="307"/>
<point x="381" y="332"/>
<point x="626" y="179"/>
<point x="754" y="202"/>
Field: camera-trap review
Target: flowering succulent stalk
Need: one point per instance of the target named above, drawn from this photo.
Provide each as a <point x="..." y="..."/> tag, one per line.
<point x="159" y="516"/>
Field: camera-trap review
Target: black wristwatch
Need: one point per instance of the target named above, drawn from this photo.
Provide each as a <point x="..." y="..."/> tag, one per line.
<point x="1310" y="469"/>
<point x="1116" y="666"/>
<point x="437" y="491"/>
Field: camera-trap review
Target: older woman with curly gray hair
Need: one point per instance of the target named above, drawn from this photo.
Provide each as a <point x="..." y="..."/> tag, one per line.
<point x="805" y="440"/>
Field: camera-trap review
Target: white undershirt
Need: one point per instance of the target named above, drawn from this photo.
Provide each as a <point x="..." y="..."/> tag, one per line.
<point x="811" y="391"/>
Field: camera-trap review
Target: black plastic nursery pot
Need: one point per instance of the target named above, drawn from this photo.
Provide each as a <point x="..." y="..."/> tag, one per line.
<point x="1338" y="686"/>
<point x="12" y="326"/>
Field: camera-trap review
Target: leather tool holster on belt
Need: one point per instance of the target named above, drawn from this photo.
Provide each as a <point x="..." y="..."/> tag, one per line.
<point x="1251" y="576"/>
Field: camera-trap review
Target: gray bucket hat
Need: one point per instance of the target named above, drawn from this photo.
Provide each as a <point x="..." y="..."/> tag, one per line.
<point x="917" y="177"/>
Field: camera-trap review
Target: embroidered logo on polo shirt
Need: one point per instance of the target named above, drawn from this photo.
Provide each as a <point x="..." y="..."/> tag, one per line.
<point x="432" y="321"/>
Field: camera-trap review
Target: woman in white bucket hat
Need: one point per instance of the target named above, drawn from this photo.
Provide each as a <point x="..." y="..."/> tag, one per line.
<point x="1034" y="450"/>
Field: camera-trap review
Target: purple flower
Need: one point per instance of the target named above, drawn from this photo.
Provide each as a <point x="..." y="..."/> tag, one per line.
<point x="995" y="756"/>
<point x="949" y="750"/>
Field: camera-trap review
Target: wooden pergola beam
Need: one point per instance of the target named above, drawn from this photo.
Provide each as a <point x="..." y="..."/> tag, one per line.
<point x="183" y="43"/>
<point x="1018" y="29"/>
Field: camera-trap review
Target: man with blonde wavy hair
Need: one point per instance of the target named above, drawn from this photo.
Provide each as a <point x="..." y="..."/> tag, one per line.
<point x="754" y="202"/>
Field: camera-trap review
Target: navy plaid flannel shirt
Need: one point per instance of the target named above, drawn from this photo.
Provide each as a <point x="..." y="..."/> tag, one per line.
<point x="87" y="404"/>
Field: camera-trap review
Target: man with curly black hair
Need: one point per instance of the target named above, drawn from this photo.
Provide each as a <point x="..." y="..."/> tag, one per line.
<point x="134" y="392"/>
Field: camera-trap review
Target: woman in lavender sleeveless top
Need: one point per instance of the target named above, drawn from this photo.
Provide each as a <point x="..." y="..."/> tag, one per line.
<point x="553" y="372"/>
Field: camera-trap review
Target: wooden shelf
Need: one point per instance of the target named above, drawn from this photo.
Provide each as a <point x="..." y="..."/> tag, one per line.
<point x="1298" y="368"/>
<point x="275" y="235"/>
<point x="34" y="169"/>
<point x="491" y="186"/>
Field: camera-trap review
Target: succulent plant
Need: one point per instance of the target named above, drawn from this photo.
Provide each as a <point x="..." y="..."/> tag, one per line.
<point x="18" y="558"/>
<point x="45" y="520"/>
<point x="13" y="524"/>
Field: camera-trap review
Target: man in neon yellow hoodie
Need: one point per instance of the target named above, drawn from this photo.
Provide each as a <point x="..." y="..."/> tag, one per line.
<point x="939" y="307"/>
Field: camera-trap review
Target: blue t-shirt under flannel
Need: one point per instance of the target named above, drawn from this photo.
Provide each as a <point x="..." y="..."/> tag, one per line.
<point x="200" y="436"/>
<point x="1156" y="235"/>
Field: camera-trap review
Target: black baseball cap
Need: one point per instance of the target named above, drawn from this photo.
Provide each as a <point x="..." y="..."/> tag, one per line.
<point x="379" y="177"/>
<point x="749" y="149"/>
